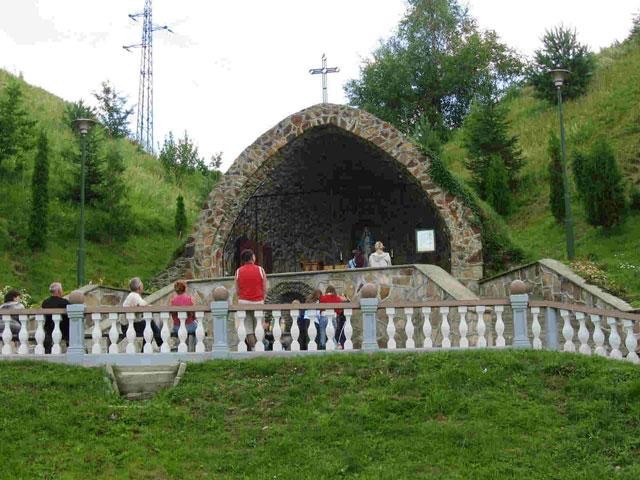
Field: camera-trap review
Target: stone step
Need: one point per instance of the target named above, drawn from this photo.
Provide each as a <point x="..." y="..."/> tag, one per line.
<point x="144" y="381"/>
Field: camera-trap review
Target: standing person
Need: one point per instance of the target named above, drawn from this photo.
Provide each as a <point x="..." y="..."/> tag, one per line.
<point x="379" y="258"/>
<point x="330" y="296"/>
<point x="182" y="299"/>
<point x="251" y="286"/>
<point x="12" y="301"/>
<point x="55" y="300"/>
<point x="134" y="299"/>
<point x="357" y="261"/>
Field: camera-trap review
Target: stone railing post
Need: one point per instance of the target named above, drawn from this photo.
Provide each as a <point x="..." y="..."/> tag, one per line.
<point x="551" y="327"/>
<point x="519" y="304"/>
<point x="75" y="312"/>
<point x="220" y="312"/>
<point x="369" y="307"/>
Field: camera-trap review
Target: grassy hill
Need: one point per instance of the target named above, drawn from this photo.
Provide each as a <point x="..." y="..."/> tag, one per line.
<point x="451" y="415"/>
<point x="150" y="194"/>
<point x="611" y="108"/>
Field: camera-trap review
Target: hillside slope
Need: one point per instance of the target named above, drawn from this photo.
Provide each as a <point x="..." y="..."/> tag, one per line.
<point x="150" y="194"/>
<point x="611" y="108"/>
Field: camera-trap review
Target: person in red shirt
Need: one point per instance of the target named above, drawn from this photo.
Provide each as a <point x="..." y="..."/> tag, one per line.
<point x="251" y="287"/>
<point x="182" y="299"/>
<point x="330" y="296"/>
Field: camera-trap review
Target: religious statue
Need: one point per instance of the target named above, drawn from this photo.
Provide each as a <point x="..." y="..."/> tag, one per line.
<point x="366" y="243"/>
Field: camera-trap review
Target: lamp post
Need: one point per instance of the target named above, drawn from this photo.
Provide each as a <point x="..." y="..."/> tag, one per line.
<point x="83" y="125"/>
<point x="560" y="76"/>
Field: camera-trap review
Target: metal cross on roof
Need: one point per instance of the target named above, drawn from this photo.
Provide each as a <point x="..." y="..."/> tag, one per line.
<point x="323" y="71"/>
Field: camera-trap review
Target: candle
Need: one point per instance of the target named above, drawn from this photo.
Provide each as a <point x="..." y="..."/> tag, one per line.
<point x="340" y="255"/>
<point x="392" y="253"/>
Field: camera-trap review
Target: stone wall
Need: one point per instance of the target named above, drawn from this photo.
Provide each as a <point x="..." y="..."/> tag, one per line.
<point x="551" y="280"/>
<point x="99" y="295"/>
<point x="205" y="247"/>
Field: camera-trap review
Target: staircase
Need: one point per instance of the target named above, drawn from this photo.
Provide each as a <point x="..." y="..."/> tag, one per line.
<point x="142" y="382"/>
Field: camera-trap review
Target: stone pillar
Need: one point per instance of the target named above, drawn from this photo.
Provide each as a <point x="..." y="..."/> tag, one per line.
<point x="369" y="308"/>
<point x="220" y="312"/>
<point x="519" y="304"/>
<point x="75" y="312"/>
<point x="551" y="329"/>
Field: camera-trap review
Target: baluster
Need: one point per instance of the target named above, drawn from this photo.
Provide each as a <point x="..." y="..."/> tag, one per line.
<point x="182" y="332"/>
<point x="23" y="336"/>
<point x="39" y="350"/>
<point x="598" y="336"/>
<point x="277" y="331"/>
<point x="295" y="330"/>
<point x="200" y="332"/>
<point x="56" y="336"/>
<point x="614" y="339"/>
<point x="147" y="333"/>
<point x="391" y="328"/>
<point x="409" y="329"/>
<point x="113" y="333"/>
<point x="348" y="329"/>
<point x="535" y="328"/>
<point x="426" y="328"/>
<point x="96" y="334"/>
<point x="500" y="343"/>
<point x="331" y="331"/>
<point x="630" y="342"/>
<point x="481" y="327"/>
<point x="131" y="333"/>
<point x="567" y="332"/>
<point x="463" y="327"/>
<point x="259" y="330"/>
<point x="583" y="335"/>
<point x="165" y="333"/>
<point x="445" y="327"/>
<point x="242" y="331"/>
<point x="312" y="331"/>
<point x="7" y="337"/>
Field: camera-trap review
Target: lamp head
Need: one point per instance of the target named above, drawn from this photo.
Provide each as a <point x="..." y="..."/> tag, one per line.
<point x="83" y="125"/>
<point x="560" y="76"/>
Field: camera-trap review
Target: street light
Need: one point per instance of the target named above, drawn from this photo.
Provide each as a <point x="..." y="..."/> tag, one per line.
<point x="560" y="76"/>
<point x="83" y="125"/>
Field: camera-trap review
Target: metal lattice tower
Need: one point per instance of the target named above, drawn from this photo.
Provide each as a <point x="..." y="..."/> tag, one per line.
<point x="144" y="121"/>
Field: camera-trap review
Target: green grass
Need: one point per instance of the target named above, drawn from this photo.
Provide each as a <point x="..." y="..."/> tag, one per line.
<point x="454" y="415"/>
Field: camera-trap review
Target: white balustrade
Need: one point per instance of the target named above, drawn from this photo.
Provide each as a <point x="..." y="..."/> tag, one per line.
<point x="630" y="342"/>
<point x="242" y="331"/>
<point x="113" y="333"/>
<point x="583" y="335"/>
<point x="535" y="328"/>
<point x="7" y="336"/>
<point x="295" y="331"/>
<point x="147" y="333"/>
<point x="259" y="330"/>
<point x="330" y="330"/>
<point x="312" y="331"/>
<point x="96" y="334"/>
<point x="131" y="333"/>
<point x="500" y="342"/>
<point x="598" y="336"/>
<point x="445" y="328"/>
<point x="427" y="331"/>
<point x="463" y="327"/>
<point x="481" y="327"/>
<point x="409" y="329"/>
<point x="277" y="331"/>
<point x="391" y="328"/>
<point x="40" y="335"/>
<point x="56" y="336"/>
<point x="165" y="332"/>
<point x="200" y="332"/>
<point x="182" y="333"/>
<point x="23" y="336"/>
<point x="614" y="339"/>
<point x="567" y="332"/>
<point x="348" y="329"/>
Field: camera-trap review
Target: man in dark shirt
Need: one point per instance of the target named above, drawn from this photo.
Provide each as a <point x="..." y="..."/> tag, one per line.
<point x="55" y="301"/>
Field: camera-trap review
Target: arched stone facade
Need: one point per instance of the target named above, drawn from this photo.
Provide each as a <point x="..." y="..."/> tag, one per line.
<point x="204" y="250"/>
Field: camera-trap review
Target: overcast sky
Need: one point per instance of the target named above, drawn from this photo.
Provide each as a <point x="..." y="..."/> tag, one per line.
<point x="233" y="69"/>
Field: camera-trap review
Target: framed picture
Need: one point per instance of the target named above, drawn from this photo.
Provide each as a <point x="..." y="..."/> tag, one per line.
<point x="425" y="241"/>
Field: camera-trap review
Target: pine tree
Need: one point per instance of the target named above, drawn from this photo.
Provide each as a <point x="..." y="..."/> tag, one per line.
<point x="181" y="217"/>
<point x="496" y="185"/>
<point x="94" y="168"/>
<point x="38" y="223"/>
<point x="16" y="129"/>
<point x="112" y="111"/>
<point x="113" y="198"/>
<point x="556" y="187"/>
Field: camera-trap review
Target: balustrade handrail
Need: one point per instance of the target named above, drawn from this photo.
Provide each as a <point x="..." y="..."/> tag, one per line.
<point x="234" y="307"/>
<point x="487" y="302"/>
<point x="584" y="309"/>
<point x="33" y="311"/>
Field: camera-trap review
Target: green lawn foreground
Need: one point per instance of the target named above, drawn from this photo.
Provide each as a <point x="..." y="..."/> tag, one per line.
<point x="474" y="414"/>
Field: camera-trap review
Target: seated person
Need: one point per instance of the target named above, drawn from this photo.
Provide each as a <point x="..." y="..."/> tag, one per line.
<point x="55" y="300"/>
<point x="181" y="299"/>
<point x="330" y="296"/>
<point x="134" y="299"/>
<point x="12" y="301"/>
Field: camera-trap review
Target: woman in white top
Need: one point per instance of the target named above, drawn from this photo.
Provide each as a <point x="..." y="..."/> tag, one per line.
<point x="134" y="299"/>
<point x="379" y="258"/>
